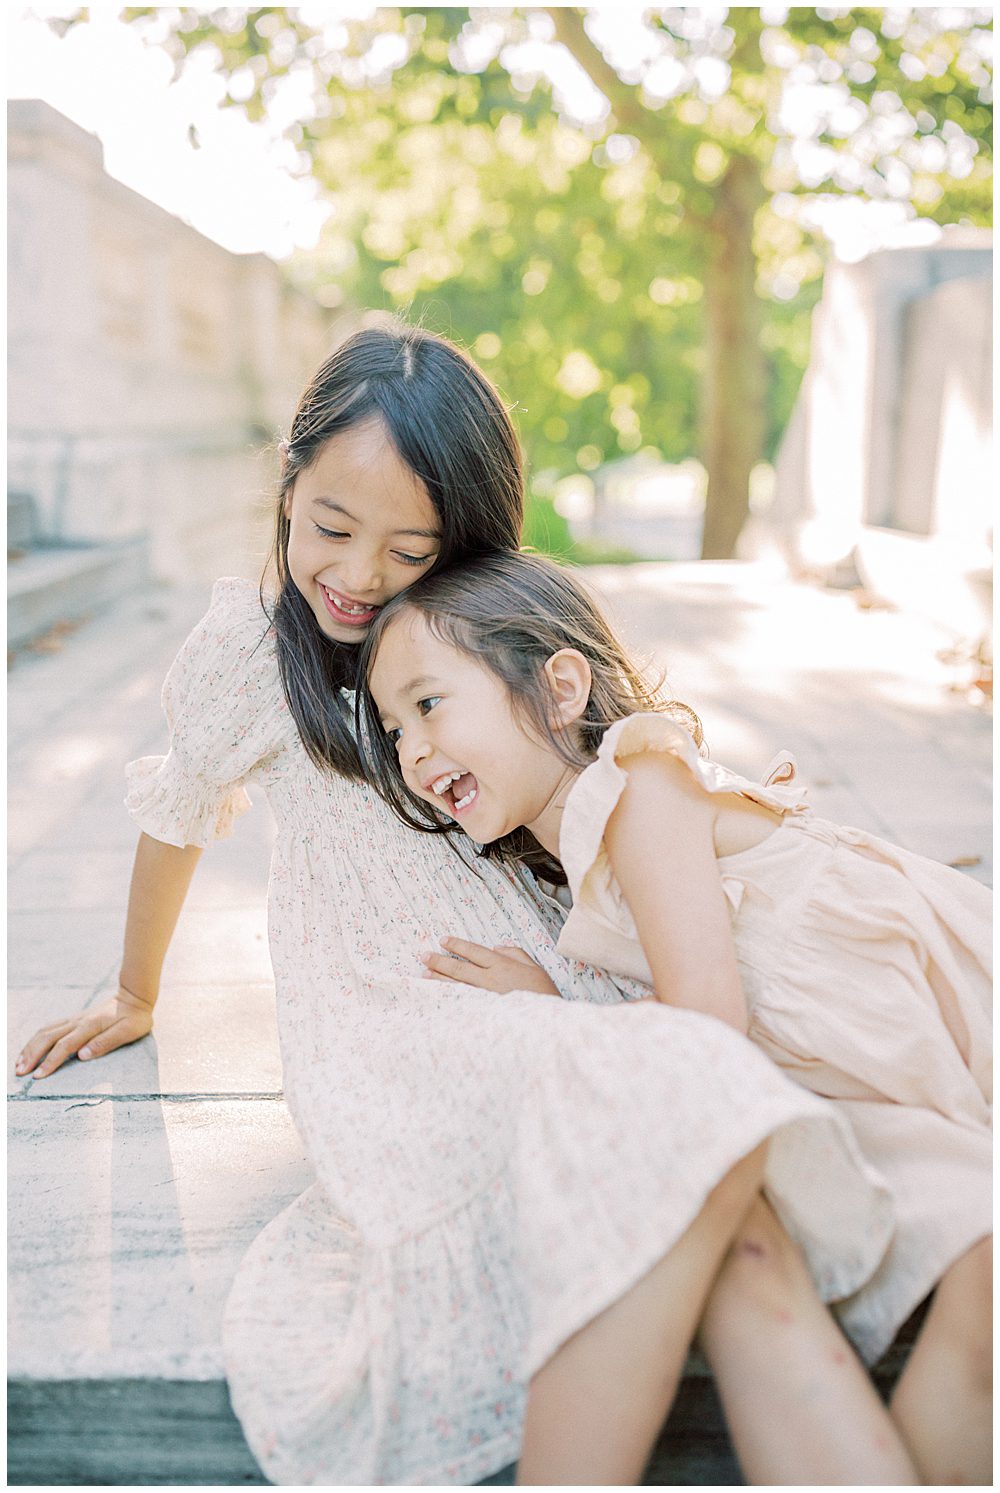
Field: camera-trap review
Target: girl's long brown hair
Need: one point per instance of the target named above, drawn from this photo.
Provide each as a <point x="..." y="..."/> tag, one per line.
<point x="511" y="612"/>
<point x="449" y="425"/>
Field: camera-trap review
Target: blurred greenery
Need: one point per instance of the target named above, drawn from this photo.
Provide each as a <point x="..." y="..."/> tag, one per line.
<point x="643" y="280"/>
<point x="547" y="531"/>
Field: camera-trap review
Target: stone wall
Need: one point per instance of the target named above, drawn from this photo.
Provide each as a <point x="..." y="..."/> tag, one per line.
<point x="149" y="368"/>
<point x="887" y="460"/>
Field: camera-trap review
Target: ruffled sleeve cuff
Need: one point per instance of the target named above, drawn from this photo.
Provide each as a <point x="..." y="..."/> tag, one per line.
<point x="169" y="805"/>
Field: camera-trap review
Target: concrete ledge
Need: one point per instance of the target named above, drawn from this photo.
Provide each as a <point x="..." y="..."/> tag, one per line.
<point x="124" y="1431"/>
<point x="64" y="584"/>
<point x="178" y="1432"/>
<point x="182" y="1432"/>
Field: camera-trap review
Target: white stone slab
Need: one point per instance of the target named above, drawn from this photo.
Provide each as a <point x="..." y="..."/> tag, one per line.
<point x="219" y="946"/>
<point x="74" y="948"/>
<point x="908" y="791"/>
<point x="81" y="948"/>
<point x="96" y="815"/>
<point x="839" y="803"/>
<point x="33" y="820"/>
<point x="220" y="1040"/>
<point x="102" y="821"/>
<point x="126" y="1223"/>
<point x="232" y="873"/>
<point x="205" y="1040"/>
<point x="49" y="880"/>
<point x="966" y="846"/>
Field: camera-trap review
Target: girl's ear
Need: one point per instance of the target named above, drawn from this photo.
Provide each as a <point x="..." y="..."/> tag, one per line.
<point x="568" y="675"/>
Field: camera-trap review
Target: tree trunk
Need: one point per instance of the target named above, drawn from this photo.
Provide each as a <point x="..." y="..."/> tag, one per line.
<point x="733" y="390"/>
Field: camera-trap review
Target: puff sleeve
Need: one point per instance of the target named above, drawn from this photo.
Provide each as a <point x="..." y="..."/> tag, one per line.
<point x="227" y="718"/>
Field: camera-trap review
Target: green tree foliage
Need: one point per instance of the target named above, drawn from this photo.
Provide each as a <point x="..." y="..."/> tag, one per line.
<point x="642" y="280"/>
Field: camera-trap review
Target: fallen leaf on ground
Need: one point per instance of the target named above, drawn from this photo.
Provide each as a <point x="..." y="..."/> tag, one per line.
<point x="53" y="640"/>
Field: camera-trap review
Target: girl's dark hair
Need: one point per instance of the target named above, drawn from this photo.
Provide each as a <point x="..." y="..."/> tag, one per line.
<point x="448" y="424"/>
<point x="512" y="612"/>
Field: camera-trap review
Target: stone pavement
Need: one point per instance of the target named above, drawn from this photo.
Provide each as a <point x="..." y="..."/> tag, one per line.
<point x="136" y="1182"/>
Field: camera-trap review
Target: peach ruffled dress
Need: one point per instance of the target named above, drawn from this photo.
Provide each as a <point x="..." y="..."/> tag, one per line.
<point x="867" y="971"/>
<point x="492" y="1171"/>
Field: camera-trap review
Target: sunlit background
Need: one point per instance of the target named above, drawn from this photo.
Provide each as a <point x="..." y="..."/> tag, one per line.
<point x="248" y="185"/>
<point x="694" y="246"/>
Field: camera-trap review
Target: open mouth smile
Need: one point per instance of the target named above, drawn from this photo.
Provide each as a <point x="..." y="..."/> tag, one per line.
<point x="458" y="789"/>
<point x="347" y="612"/>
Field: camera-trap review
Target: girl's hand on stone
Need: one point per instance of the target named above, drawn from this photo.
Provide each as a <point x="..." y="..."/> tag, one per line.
<point x="90" y="1034"/>
<point x="502" y="968"/>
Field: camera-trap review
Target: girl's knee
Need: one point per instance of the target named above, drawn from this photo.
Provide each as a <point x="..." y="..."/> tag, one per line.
<point x="763" y="1269"/>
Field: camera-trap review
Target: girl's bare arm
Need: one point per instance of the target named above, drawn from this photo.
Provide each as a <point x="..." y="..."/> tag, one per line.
<point x="161" y="876"/>
<point x="660" y="844"/>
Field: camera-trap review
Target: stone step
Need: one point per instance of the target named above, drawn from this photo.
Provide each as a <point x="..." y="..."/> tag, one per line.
<point x="182" y="1433"/>
<point x="174" y="1432"/>
<point x="52" y="584"/>
<point x="124" y="1431"/>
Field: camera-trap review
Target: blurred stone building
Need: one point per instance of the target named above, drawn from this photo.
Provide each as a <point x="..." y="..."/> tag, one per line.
<point x="149" y="369"/>
<point x="886" y="467"/>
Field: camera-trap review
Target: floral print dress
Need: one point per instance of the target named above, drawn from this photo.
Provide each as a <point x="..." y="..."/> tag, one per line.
<point x="492" y="1170"/>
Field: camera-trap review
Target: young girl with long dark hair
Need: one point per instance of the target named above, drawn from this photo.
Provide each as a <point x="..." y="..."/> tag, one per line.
<point x="500" y="700"/>
<point x="516" y="1223"/>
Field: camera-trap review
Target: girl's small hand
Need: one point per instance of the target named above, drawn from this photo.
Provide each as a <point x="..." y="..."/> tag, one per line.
<point x="90" y="1034"/>
<point x="503" y="968"/>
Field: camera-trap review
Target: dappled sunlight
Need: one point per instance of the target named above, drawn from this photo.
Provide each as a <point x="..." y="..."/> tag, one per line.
<point x="60" y="1234"/>
<point x="71" y="756"/>
<point x="144" y="1216"/>
<point x="753" y="623"/>
<point x="817" y="632"/>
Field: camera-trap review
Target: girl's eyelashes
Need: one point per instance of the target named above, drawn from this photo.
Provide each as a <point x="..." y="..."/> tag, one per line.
<point x="397" y="554"/>
<point x="424" y="706"/>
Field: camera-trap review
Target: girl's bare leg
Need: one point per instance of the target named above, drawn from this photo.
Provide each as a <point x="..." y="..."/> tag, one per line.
<point x="595" y="1409"/>
<point x="943" y="1402"/>
<point x="799" y="1405"/>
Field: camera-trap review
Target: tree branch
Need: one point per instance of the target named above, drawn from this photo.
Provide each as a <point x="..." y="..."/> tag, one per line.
<point x="626" y="103"/>
<point x="627" y="106"/>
